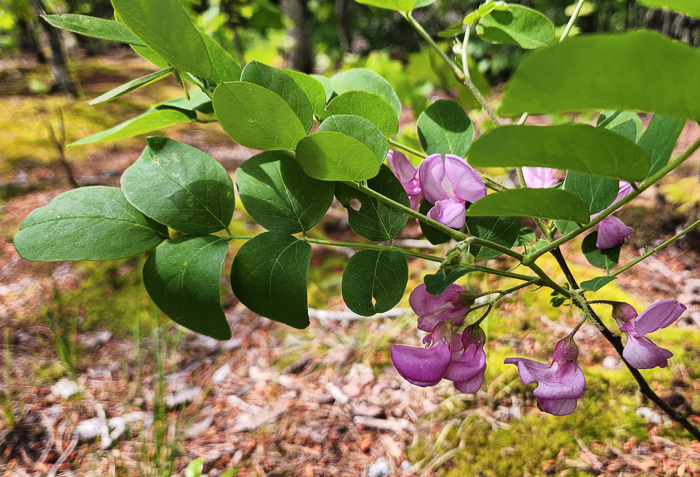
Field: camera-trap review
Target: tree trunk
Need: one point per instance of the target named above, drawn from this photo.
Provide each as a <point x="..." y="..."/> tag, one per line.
<point x="341" y="8"/>
<point x="301" y="56"/>
<point x="59" y="65"/>
<point x="29" y="40"/>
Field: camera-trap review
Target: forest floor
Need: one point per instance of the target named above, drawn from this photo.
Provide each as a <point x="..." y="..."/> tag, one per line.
<point x="96" y="381"/>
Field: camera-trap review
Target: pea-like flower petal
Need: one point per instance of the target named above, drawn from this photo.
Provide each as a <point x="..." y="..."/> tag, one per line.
<point x="612" y="232"/>
<point x="407" y="174"/>
<point x="432" y="309"/>
<point x="421" y="366"/>
<point x="540" y="177"/>
<point x="641" y="353"/>
<point x="560" y="384"/>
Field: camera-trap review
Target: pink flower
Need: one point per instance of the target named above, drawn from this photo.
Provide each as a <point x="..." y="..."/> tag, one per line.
<point x="457" y="357"/>
<point x="560" y="384"/>
<point x="433" y="309"/>
<point x="468" y="363"/>
<point x="611" y="230"/>
<point x="407" y="175"/>
<point x="425" y="366"/>
<point x="448" y="183"/>
<point x="540" y="177"/>
<point x="641" y="352"/>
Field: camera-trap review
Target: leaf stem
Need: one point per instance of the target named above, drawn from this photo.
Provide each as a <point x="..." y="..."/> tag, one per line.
<point x="572" y="19"/>
<point x="374" y="246"/>
<point x="408" y="149"/>
<point x="455" y="234"/>
<point x="656" y="249"/>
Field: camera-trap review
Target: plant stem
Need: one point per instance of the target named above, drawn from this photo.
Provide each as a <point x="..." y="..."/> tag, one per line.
<point x="648" y="182"/>
<point x="408" y="149"/>
<point x="455" y="234"/>
<point x="616" y="342"/>
<point x="572" y="19"/>
<point x="656" y="249"/>
<point x="503" y="293"/>
<point x="456" y="71"/>
<point x="374" y="246"/>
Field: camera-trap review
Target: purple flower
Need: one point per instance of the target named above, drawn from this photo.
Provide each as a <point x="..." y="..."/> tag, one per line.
<point x="641" y="352"/>
<point x="540" y="177"/>
<point x="433" y="309"/>
<point x="560" y="384"/>
<point x="457" y="357"/>
<point x="425" y="366"/>
<point x="407" y="175"/>
<point x="448" y="183"/>
<point x="611" y="230"/>
<point x="468" y="363"/>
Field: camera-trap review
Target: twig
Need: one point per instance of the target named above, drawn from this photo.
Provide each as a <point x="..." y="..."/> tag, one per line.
<point x="59" y="142"/>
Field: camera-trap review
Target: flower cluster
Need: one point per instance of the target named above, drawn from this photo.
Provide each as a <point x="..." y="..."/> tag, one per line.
<point x="447" y="182"/>
<point x="457" y="357"/>
<point x="460" y="357"/>
<point x="611" y="230"/>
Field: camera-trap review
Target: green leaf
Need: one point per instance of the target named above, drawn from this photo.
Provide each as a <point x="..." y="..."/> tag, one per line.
<point x="183" y="278"/>
<point x="363" y="79"/>
<point x="121" y="90"/>
<point x="596" y="192"/>
<point x="361" y="129"/>
<point x="597" y="283"/>
<point x="527" y="236"/>
<point x="606" y="259"/>
<point x="94" y="27"/>
<point x="542" y="203"/>
<point x="431" y="234"/>
<point x="688" y="7"/>
<point x="151" y="56"/>
<point x="333" y="156"/>
<point x="501" y="230"/>
<point x="400" y="5"/>
<point x="180" y="186"/>
<point x="326" y="83"/>
<point x="89" y="223"/>
<point x="374" y="281"/>
<point x="575" y="147"/>
<point x="422" y="3"/>
<point x="370" y="218"/>
<point x="269" y="277"/>
<point x="223" y="66"/>
<point x="198" y="101"/>
<point x="659" y="140"/>
<point x="165" y="27"/>
<point x="639" y="70"/>
<point x="279" y="196"/>
<point x="625" y="123"/>
<point x="367" y="105"/>
<point x="151" y="120"/>
<point x="284" y="86"/>
<point x="257" y="118"/>
<point x="444" y="128"/>
<point x="565" y="227"/>
<point x="312" y="88"/>
<point x="439" y="281"/>
<point x="194" y="469"/>
<point x="516" y="26"/>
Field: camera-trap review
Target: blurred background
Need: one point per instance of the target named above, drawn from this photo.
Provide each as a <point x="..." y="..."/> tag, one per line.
<point x="94" y="380"/>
